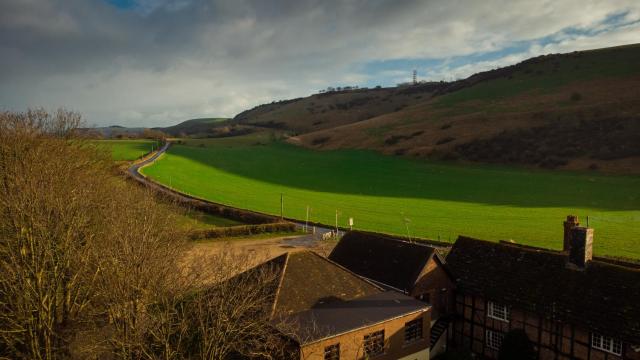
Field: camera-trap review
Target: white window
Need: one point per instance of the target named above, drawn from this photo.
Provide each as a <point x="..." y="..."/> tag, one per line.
<point x="494" y="339"/>
<point x="498" y="311"/>
<point x="606" y="343"/>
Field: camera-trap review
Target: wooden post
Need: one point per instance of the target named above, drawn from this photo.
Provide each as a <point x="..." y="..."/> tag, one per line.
<point x="307" y="220"/>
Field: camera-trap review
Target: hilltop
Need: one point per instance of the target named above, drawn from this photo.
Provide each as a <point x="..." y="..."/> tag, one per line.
<point x="579" y="110"/>
<point x="193" y="127"/>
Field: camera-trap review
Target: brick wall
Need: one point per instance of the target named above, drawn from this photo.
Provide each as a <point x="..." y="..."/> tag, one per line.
<point x="351" y="343"/>
<point x="436" y="285"/>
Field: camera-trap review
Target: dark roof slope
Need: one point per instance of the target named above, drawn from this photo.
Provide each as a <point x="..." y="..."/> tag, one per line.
<point x="604" y="297"/>
<point x="385" y="259"/>
<point x="309" y="280"/>
<point x="304" y="280"/>
<point x="336" y="318"/>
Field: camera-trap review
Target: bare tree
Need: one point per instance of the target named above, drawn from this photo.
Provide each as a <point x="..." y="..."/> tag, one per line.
<point x="92" y="266"/>
<point x="43" y="234"/>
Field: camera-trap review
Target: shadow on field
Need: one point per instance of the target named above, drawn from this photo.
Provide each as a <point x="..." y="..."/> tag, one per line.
<point x="369" y="173"/>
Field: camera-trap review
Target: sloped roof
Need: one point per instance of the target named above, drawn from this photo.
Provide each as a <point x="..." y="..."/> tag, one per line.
<point x="306" y="280"/>
<point x="332" y="319"/>
<point x="605" y="297"/>
<point x="385" y="259"/>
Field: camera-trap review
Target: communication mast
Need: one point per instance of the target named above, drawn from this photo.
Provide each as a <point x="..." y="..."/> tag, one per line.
<point x="415" y="77"/>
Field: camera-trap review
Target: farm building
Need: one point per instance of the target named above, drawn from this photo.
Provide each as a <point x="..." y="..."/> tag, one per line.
<point x="413" y="268"/>
<point x="569" y="304"/>
<point x="327" y="312"/>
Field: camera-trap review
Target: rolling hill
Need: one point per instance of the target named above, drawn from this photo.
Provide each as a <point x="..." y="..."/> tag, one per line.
<point x="193" y="127"/>
<point x="578" y="111"/>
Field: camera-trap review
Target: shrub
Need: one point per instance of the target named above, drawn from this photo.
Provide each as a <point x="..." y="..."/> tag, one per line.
<point x="445" y="140"/>
<point x="320" y="140"/>
<point x="516" y="345"/>
<point x="242" y="230"/>
<point x="576" y="96"/>
<point x="394" y="139"/>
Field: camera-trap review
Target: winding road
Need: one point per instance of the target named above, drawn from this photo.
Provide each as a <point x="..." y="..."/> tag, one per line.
<point x="134" y="171"/>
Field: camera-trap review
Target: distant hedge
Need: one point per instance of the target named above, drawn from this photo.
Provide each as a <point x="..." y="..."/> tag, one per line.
<point x="244" y="216"/>
<point x="242" y="230"/>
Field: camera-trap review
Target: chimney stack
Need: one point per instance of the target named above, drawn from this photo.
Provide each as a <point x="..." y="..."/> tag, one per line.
<point x="569" y="224"/>
<point x="580" y="247"/>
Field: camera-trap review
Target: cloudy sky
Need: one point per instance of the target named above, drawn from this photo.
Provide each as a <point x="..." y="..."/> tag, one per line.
<point x="157" y="62"/>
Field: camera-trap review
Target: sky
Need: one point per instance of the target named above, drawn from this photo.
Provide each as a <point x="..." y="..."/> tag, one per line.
<point x="146" y="63"/>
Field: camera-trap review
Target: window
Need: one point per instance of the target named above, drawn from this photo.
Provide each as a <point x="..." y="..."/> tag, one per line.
<point x="413" y="331"/>
<point x="606" y="343"/>
<point x="426" y="297"/>
<point x="494" y="339"/>
<point x="374" y="343"/>
<point x="498" y="311"/>
<point x="332" y="352"/>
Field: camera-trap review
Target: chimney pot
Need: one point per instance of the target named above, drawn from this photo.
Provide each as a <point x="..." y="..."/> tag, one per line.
<point x="581" y="247"/>
<point x="569" y="224"/>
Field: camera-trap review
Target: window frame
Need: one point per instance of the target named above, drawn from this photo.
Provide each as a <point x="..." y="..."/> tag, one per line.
<point x="370" y="343"/>
<point x="491" y="338"/>
<point x="331" y="351"/>
<point x="419" y="333"/>
<point x="607" y="344"/>
<point x="504" y="309"/>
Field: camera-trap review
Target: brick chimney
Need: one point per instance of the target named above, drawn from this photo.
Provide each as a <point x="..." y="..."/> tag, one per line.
<point x="569" y="224"/>
<point x="580" y="248"/>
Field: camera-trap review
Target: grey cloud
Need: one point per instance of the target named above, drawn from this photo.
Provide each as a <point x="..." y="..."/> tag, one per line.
<point x="169" y="60"/>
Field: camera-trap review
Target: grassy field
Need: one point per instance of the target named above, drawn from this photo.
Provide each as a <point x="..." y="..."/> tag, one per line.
<point x="127" y="150"/>
<point x="401" y="196"/>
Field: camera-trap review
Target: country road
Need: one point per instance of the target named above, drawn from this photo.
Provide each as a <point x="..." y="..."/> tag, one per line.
<point x="309" y="240"/>
<point x="133" y="169"/>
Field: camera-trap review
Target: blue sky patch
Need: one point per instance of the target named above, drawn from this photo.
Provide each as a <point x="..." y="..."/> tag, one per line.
<point x="123" y="4"/>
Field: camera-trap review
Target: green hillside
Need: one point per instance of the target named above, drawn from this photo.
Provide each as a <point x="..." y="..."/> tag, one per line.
<point x="544" y="74"/>
<point x="399" y="196"/>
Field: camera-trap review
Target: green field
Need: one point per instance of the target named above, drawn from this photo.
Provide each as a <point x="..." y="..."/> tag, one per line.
<point x="127" y="150"/>
<point x="401" y="196"/>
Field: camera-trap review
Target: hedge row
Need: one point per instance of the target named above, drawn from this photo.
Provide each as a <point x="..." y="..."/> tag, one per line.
<point x="244" y="216"/>
<point x="242" y="230"/>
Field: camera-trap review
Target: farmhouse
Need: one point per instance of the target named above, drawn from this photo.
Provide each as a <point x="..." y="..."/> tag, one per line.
<point x="569" y="304"/>
<point x="330" y="313"/>
<point x="413" y="268"/>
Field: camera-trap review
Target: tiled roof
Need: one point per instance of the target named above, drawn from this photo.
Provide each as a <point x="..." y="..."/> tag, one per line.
<point x="385" y="259"/>
<point x="339" y="317"/>
<point x="604" y="297"/>
<point x="306" y="280"/>
<point x="311" y="297"/>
